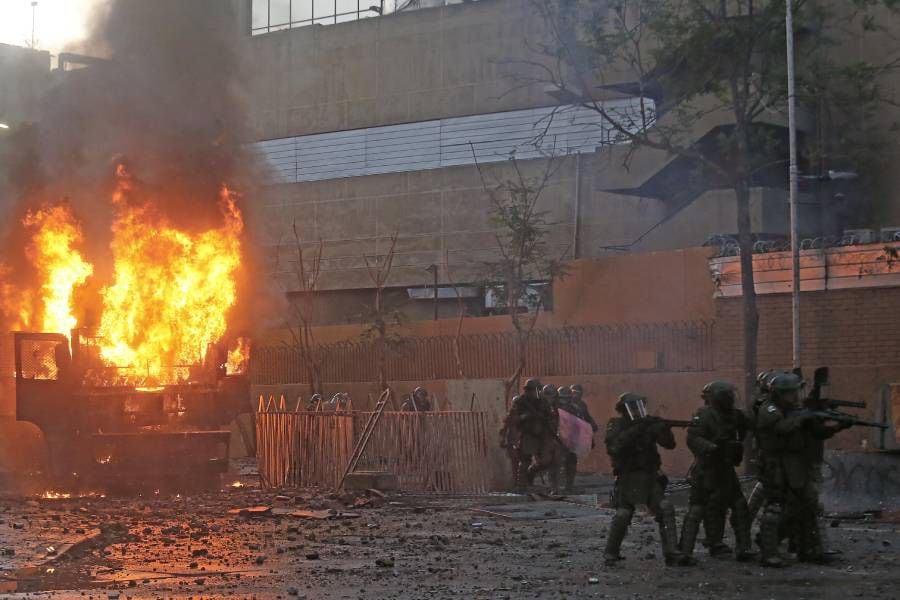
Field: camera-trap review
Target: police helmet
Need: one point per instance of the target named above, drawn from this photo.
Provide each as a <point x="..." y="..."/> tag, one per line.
<point x="548" y="391"/>
<point x="786" y="382"/>
<point x="532" y="384"/>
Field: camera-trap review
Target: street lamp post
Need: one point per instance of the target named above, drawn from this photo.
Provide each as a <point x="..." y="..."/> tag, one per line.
<point x="33" y="12"/>
<point x="792" y="141"/>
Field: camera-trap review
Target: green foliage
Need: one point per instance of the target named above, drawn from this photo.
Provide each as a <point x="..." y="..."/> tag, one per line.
<point x="702" y="57"/>
<point x="522" y="239"/>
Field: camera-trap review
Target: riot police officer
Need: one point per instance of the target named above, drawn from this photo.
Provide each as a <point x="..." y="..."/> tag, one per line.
<point x="530" y="430"/>
<point x="785" y="471"/>
<point x="716" y="438"/>
<point x="418" y="401"/>
<point x="631" y="441"/>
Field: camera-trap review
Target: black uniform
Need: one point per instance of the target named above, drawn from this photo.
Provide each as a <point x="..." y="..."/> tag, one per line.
<point x="632" y="446"/>
<point x="784" y="433"/>
<point x="716" y="437"/>
<point x="530" y="433"/>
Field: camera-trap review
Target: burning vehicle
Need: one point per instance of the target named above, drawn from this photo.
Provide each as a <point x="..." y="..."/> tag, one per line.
<point x="124" y="267"/>
<point x="139" y="398"/>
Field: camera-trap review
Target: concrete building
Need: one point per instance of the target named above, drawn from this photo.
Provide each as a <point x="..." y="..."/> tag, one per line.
<point x="370" y="126"/>
<point x="24" y="76"/>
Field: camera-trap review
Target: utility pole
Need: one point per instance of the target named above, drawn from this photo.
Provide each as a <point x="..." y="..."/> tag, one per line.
<point x="433" y="269"/>
<point x="33" y="13"/>
<point x="795" y="217"/>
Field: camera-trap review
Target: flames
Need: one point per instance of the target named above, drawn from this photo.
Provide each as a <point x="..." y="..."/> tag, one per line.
<point x="238" y="357"/>
<point x="171" y="290"/>
<point x="53" y="252"/>
<point x="168" y="296"/>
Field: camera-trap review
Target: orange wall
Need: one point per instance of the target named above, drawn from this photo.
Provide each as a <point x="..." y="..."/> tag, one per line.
<point x="650" y="287"/>
<point x="672" y="285"/>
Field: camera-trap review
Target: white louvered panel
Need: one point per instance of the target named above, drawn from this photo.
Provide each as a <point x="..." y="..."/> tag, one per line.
<point x="530" y="133"/>
<point x="407" y="147"/>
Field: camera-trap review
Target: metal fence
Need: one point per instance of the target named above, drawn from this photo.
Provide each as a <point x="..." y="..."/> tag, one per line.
<point x="434" y="452"/>
<point x="593" y="350"/>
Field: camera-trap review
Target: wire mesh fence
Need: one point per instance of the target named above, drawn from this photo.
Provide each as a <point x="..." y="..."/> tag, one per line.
<point x="590" y="350"/>
<point x="429" y="452"/>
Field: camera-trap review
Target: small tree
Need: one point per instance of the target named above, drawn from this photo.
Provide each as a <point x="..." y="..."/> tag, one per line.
<point x="383" y="322"/>
<point x="695" y="60"/>
<point x="306" y="271"/>
<point x="524" y="253"/>
<point x="460" y="315"/>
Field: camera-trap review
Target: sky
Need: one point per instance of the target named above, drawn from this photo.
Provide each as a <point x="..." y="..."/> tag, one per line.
<point x="57" y="22"/>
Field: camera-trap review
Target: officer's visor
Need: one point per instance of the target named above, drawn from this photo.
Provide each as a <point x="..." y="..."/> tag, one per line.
<point x="636" y="408"/>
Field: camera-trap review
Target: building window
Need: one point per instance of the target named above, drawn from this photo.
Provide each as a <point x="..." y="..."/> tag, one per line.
<point x="275" y="15"/>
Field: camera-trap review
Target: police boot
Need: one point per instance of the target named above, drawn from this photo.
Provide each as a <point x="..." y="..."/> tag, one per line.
<point x="617" y="530"/>
<point x="810" y="545"/>
<point x="715" y="532"/>
<point x="740" y="522"/>
<point x="768" y="537"/>
<point x="690" y="527"/>
<point x="522" y="476"/>
<point x="554" y="479"/>
<point x="570" y="468"/>
<point x="668" y="535"/>
<point x="822" y="523"/>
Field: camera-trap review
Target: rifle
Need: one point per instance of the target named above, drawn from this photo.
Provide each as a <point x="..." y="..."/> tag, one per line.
<point x="816" y="401"/>
<point x="669" y="422"/>
<point x="843" y="418"/>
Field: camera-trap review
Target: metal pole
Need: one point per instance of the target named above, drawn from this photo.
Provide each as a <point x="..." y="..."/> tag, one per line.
<point x="435" y="293"/>
<point x="576" y="226"/>
<point x="792" y="137"/>
<point x="433" y="269"/>
<point x="33" y="11"/>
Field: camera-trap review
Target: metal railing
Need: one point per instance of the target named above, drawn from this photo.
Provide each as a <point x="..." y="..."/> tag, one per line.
<point x="590" y="350"/>
<point x="433" y="452"/>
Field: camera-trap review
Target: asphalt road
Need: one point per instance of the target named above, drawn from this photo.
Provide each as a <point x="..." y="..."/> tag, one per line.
<point x="398" y="547"/>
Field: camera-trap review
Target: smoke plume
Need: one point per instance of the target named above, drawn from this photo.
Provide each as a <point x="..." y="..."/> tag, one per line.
<point x="165" y="101"/>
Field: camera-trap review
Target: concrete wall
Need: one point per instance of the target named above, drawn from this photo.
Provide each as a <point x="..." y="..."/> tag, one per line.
<point x="403" y="67"/>
<point x="444" y="62"/>
<point x="24" y="75"/>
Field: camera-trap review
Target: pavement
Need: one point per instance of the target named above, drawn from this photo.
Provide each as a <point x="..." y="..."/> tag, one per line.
<point x="313" y="544"/>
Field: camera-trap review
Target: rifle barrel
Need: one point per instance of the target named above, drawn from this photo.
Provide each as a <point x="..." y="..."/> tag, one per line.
<point x="676" y="423"/>
<point x="845" y="403"/>
<point x="839" y="417"/>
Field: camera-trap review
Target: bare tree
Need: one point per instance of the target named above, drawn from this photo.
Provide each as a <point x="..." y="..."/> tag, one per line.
<point x="460" y="315"/>
<point x="525" y="256"/>
<point x="306" y="271"/>
<point x="383" y="323"/>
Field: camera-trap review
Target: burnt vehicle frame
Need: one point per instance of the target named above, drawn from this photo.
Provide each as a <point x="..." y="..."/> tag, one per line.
<point x="121" y="437"/>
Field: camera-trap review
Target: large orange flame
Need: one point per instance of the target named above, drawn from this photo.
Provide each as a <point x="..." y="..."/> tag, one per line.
<point x="171" y="289"/>
<point x="170" y="293"/>
<point x="60" y="267"/>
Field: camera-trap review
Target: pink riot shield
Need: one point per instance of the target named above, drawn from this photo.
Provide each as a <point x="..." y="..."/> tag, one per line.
<point x="576" y="435"/>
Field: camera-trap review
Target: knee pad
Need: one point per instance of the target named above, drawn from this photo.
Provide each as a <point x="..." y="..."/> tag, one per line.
<point x="624" y="514"/>
<point x="666" y="509"/>
<point x="697" y="511"/>
<point x="773" y="512"/>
